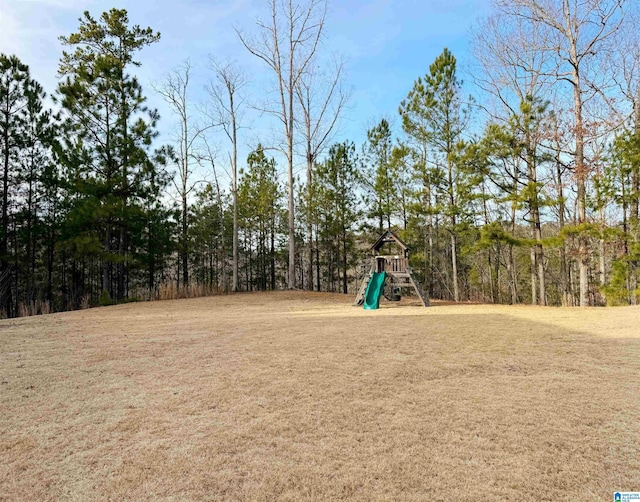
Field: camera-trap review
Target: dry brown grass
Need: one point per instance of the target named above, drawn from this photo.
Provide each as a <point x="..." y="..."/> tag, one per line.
<point x="170" y="291"/>
<point x="294" y="396"/>
<point x="28" y="309"/>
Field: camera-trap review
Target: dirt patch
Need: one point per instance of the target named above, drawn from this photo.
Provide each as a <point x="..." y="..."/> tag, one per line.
<point x="297" y="395"/>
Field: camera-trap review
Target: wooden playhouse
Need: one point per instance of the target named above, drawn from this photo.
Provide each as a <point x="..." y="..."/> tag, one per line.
<point x="389" y="270"/>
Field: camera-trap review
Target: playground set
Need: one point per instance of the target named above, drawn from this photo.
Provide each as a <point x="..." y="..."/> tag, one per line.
<point x="390" y="270"/>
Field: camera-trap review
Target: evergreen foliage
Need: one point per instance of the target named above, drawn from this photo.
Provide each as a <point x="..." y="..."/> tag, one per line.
<point x="517" y="213"/>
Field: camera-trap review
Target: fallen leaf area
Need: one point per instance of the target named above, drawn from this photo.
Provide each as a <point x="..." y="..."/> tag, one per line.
<point x="301" y="396"/>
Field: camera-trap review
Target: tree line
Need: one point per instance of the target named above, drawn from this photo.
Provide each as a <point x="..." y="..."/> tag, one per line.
<point x="528" y="192"/>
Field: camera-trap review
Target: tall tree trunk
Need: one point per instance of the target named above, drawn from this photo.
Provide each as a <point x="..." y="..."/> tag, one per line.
<point x="533" y="268"/>
<point x="602" y="262"/>
<point x="344" y="262"/>
<point x="625" y="233"/>
<point x="309" y="208"/>
<point x="50" y="261"/>
<point x="454" y="239"/>
<point x="291" y="221"/>
<point x="634" y="199"/>
<point x="152" y="260"/>
<point x="512" y="268"/>
<point x="184" y="238"/>
<point x="634" y="207"/>
<point x="31" y="255"/>
<point x="537" y="256"/>
<point x="5" y="285"/>
<point x="121" y="267"/>
<point x="273" y="253"/>
<point x="581" y="179"/>
<point x="496" y="273"/>
<point x="289" y="133"/>
<point x="564" y="270"/>
<point x="537" y="250"/>
<point x="541" y="280"/>
<point x="106" y="275"/>
<point x="223" y="249"/>
<point x="429" y="271"/>
<point x="454" y="266"/>
<point x="234" y="166"/>
<point x="185" y="205"/>
<point x="318" y="275"/>
<point x="436" y="246"/>
<point x="123" y="245"/>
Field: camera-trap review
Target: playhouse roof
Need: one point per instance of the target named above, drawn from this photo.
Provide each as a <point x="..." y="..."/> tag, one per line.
<point x="389" y="236"/>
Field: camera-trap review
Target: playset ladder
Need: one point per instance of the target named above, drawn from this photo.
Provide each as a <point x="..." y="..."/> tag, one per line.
<point x="363" y="289"/>
<point x="421" y="294"/>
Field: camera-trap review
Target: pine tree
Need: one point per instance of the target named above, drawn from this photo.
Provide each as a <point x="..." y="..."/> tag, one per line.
<point x="261" y="197"/>
<point x="515" y="155"/>
<point x="337" y="179"/>
<point x="26" y="137"/>
<point x="435" y="115"/>
<point x="35" y="160"/>
<point x="108" y="133"/>
<point x="378" y="177"/>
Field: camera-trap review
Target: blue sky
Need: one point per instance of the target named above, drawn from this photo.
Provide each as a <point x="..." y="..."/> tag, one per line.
<point x="387" y="43"/>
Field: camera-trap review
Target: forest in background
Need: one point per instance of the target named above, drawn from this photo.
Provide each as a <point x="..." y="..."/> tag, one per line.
<point x="528" y="195"/>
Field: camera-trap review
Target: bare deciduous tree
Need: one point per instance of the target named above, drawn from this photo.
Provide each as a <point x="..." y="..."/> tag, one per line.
<point x="626" y="60"/>
<point x="576" y="34"/>
<point x="174" y="90"/>
<point x="287" y="43"/>
<point x="322" y="99"/>
<point x="227" y="103"/>
<point x="210" y="157"/>
<point x="515" y="72"/>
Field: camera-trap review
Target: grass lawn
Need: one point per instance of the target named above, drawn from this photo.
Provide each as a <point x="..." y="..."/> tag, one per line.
<point x="290" y="396"/>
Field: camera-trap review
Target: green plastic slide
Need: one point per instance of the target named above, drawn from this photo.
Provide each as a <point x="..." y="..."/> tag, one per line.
<point x="374" y="291"/>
